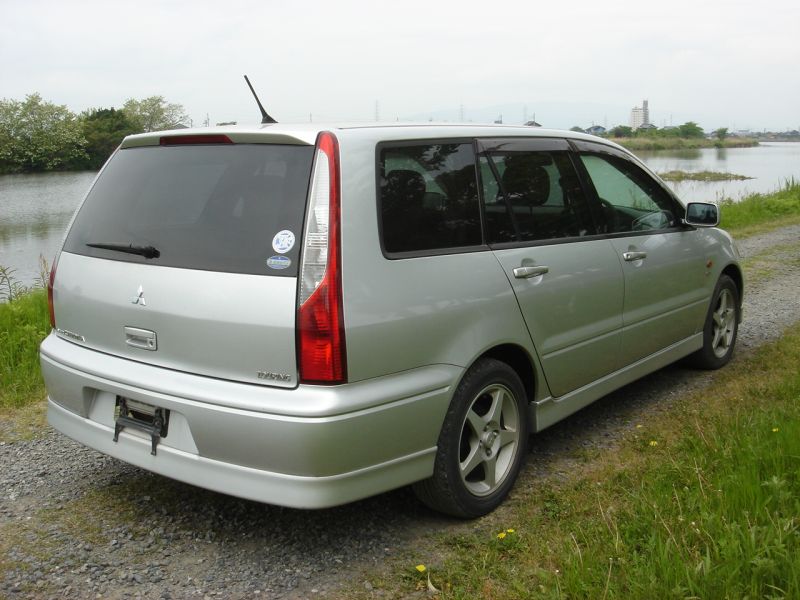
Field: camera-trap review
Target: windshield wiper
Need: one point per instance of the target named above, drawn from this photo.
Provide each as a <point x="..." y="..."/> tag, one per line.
<point x="146" y="251"/>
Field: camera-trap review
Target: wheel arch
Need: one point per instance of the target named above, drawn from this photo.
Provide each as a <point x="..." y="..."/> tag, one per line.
<point x="735" y="273"/>
<point x="518" y="359"/>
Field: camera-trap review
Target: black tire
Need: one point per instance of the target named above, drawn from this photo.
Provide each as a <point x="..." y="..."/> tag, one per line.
<point x="721" y="327"/>
<point x="471" y="488"/>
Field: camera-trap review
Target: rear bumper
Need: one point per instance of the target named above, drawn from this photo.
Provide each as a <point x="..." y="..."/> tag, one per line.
<point x="314" y="447"/>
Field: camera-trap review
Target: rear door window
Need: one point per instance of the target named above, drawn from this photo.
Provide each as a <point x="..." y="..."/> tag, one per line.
<point x="428" y="197"/>
<point x="211" y="207"/>
<point x="532" y="195"/>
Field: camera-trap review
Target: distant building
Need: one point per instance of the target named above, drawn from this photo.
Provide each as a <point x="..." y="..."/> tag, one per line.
<point x="648" y="126"/>
<point x="596" y="130"/>
<point x="640" y="115"/>
<point x="532" y="124"/>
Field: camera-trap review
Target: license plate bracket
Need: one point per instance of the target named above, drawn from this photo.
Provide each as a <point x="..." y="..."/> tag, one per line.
<point x="152" y="420"/>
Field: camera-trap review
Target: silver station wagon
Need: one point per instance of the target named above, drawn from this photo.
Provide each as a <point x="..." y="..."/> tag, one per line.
<point x="306" y="315"/>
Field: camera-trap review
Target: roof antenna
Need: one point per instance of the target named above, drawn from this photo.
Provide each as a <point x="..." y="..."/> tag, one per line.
<point x="265" y="118"/>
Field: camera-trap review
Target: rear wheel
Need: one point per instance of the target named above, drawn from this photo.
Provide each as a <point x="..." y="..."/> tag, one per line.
<point x="721" y="327"/>
<point x="482" y="443"/>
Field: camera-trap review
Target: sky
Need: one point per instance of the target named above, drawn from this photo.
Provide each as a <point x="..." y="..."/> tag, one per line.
<point x="719" y="63"/>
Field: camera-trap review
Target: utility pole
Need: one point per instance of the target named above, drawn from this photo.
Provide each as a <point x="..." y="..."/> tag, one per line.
<point x="377" y="111"/>
<point x="461" y="113"/>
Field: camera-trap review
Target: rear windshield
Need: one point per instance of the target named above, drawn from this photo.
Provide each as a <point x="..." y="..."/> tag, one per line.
<point x="236" y="208"/>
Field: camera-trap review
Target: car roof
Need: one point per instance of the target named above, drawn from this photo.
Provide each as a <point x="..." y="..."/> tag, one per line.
<point x="306" y="133"/>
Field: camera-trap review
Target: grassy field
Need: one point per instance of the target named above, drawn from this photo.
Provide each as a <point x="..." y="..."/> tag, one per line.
<point x="24" y="323"/>
<point x="701" y="502"/>
<point x="762" y="212"/>
<point x="636" y="144"/>
<point x="701" y="176"/>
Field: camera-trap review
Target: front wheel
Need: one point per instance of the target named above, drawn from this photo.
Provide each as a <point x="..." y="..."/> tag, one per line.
<point x="721" y="326"/>
<point x="482" y="443"/>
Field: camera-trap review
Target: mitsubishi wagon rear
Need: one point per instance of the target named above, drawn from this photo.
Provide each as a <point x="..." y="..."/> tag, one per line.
<point x="306" y="316"/>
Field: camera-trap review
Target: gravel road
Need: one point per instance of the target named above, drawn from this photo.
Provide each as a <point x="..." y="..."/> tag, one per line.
<point x="78" y="524"/>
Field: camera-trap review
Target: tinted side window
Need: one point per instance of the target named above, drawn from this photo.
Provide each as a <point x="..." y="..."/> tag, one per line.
<point x="530" y="196"/>
<point x="428" y="197"/>
<point x="630" y="199"/>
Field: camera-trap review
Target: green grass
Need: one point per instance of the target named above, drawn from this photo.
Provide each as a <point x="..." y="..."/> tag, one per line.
<point x="758" y="213"/>
<point x="701" y="176"/>
<point x="703" y="502"/>
<point x="24" y="323"/>
<point x="636" y="144"/>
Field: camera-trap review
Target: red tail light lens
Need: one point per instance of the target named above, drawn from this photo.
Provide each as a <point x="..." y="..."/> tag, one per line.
<point x="50" y="281"/>
<point x="180" y="140"/>
<point x="320" y="321"/>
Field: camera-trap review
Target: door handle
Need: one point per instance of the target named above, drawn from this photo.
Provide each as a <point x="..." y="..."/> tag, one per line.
<point x="526" y="272"/>
<point x="631" y="256"/>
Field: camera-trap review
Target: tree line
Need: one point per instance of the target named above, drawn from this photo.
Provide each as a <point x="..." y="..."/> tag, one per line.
<point x="36" y="135"/>
<point x="688" y="130"/>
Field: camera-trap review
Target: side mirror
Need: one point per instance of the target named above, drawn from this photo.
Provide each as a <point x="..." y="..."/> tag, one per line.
<point x="702" y="214"/>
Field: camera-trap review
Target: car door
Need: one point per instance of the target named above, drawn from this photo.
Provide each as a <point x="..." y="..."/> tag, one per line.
<point x="568" y="281"/>
<point x="663" y="261"/>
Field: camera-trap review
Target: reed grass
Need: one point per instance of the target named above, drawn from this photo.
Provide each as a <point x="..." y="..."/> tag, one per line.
<point x="757" y="213"/>
<point x="24" y="323"/>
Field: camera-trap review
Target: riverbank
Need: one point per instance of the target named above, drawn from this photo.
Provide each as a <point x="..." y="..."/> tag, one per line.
<point x="637" y="144"/>
<point x="758" y="213"/>
<point x="701" y="176"/>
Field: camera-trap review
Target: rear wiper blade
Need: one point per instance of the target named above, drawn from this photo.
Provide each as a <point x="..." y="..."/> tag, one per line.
<point x="146" y="251"/>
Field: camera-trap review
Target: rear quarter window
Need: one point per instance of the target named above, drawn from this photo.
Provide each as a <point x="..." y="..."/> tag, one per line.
<point x="428" y="197"/>
<point x="209" y="207"/>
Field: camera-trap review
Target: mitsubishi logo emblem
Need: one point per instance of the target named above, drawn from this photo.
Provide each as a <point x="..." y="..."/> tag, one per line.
<point x="139" y="299"/>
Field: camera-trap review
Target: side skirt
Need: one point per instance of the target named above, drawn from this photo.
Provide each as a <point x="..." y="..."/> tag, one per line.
<point x="551" y="410"/>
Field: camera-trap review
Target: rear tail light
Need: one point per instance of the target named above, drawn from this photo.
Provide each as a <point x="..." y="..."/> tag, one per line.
<point x="181" y="140"/>
<point x="320" y="321"/>
<point x="50" y="282"/>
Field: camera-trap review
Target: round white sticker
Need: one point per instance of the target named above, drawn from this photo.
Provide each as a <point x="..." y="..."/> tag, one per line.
<point x="283" y="241"/>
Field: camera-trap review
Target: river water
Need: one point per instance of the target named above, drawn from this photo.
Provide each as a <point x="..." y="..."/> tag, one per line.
<point x="36" y="209"/>
<point x="770" y="164"/>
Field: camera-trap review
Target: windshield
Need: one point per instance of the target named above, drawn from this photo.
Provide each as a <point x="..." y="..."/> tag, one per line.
<point x="236" y="208"/>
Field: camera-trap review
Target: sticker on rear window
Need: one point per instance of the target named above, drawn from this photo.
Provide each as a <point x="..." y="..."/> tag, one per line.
<point x="283" y="241"/>
<point x="278" y="262"/>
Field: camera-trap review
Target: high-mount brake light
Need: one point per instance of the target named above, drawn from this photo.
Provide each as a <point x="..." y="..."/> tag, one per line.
<point x="182" y="140"/>
<point x="322" y="357"/>
<point x="50" y="282"/>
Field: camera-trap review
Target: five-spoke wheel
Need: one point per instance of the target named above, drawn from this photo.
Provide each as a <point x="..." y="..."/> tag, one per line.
<point x="721" y="326"/>
<point x="482" y="443"/>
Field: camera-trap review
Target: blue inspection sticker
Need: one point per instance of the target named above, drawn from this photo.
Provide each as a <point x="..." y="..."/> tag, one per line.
<point x="278" y="262"/>
<point x="283" y="241"/>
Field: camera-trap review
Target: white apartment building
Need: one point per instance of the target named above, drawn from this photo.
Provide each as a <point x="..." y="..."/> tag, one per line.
<point x="640" y="115"/>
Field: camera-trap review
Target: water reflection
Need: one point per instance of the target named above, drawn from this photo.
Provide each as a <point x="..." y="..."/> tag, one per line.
<point x="681" y="153"/>
<point x="769" y="164"/>
<point x="35" y="210"/>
